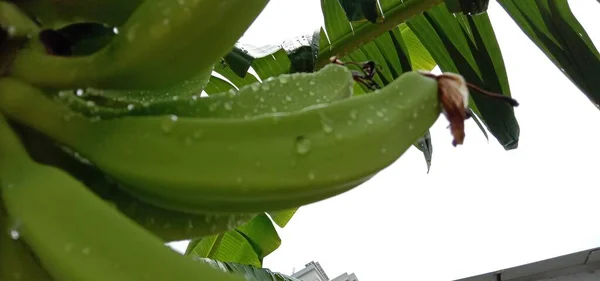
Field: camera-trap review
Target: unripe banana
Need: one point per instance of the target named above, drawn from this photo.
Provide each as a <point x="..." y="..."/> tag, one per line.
<point x="163" y="42"/>
<point x="331" y="83"/>
<point x="76" y="235"/>
<point x="166" y="224"/>
<point x="15" y="22"/>
<point x="185" y="89"/>
<point x="265" y="163"/>
<point x="17" y="263"/>
<point x="58" y="14"/>
<point x="113" y="103"/>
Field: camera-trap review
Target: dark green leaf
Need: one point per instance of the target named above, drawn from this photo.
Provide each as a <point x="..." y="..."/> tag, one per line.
<point x="352" y="9"/>
<point x="344" y="37"/>
<point x="295" y="55"/>
<point x="224" y="69"/>
<point x="239" y="61"/>
<point x="554" y="29"/>
<point x="467" y="45"/>
<point x="303" y="52"/>
<point x="468" y="7"/>
<point x="360" y="10"/>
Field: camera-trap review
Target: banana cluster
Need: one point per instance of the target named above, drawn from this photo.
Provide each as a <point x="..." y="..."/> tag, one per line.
<point x="105" y="157"/>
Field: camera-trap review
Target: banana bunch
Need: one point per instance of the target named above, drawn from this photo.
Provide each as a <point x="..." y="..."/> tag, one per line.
<point x="105" y="157"/>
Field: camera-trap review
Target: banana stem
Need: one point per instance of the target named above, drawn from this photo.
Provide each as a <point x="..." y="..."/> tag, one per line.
<point x="368" y="32"/>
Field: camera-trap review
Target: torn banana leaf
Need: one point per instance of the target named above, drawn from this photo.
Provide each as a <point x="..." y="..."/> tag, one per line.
<point x="466" y="44"/>
<point x="554" y="29"/>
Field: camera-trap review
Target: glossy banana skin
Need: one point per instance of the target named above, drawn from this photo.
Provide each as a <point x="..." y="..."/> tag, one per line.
<point x="168" y="225"/>
<point x="269" y="162"/>
<point x="300" y="90"/>
<point x="184" y="89"/>
<point x="78" y="236"/>
<point x="163" y="42"/>
<point x="172" y="225"/>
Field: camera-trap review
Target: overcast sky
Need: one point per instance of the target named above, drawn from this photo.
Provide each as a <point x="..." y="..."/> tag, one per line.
<point x="481" y="208"/>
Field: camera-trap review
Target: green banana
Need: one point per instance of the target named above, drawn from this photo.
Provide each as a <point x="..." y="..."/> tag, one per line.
<point x="331" y="83"/>
<point x="114" y="103"/>
<point x="76" y="235"/>
<point x="162" y="43"/>
<point x="17" y="263"/>
<point x="166" y="224"/>
<point x="15" y="22"/>
<point x="170" y="225"/>
<point x="265" y="163"/>
<point x="58" y="14"/>
<point x="186" y="89"/>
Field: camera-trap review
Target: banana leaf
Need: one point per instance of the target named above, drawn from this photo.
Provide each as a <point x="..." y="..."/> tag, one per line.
<point x="466" y="44"/>
<point x="281" y="218"/>
<point x="360" y="10"/>
<point x="250" y="273"/>
<point x="343" y="38"/>
<point x="295" y="55"/>
<point x="248" y="244"/>
<point x="217" y="85"/>
<point x="551" y="25"/>
<point x="468" y="7"/>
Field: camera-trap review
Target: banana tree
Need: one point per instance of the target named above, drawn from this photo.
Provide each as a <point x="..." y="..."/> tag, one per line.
<point x="107" y="146"/>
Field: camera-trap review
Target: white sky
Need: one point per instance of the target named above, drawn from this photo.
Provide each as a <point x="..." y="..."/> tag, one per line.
<point x="481" y="208"/>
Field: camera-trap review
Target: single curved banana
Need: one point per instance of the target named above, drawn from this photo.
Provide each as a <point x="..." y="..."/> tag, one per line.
<point x="162" y="43"/>
<point x="17" y="263"/>
<point x="299" y="90"/>
<point x="168" y="225"/>
<point x="76" y="235"/>
<point x="269" y="162"/>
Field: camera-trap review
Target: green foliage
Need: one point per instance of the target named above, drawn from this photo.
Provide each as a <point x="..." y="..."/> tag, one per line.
<point x="466" y="44"/>
<point x="108" y="150"/>
<point x="556" y="32"/>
